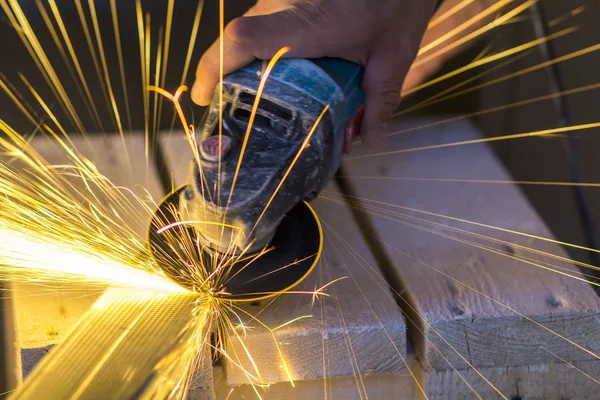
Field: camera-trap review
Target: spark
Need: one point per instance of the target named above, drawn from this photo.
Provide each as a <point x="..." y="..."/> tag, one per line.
<point x="466" y="221"/>
<point x="60" y="261"/>
<point x="18" y="19"/>
<point x="462" y="27"/>
<point x="516" y="104"/>
<point x="362" y="261"/>
<point x="79" y="223"/>
<point x="179" y="223"/>
<point x="572" y="366"/>
<point x="504" y="78"/>
<point x="574" y="12"/>
<point x="471" y="36"/>
<point x="304" y="145"/>
<point x="436" y="20"/>
<point x="490" y="59"/>
<point x="543" y="132"/>
<point x="261" y="87"/>
<point x="399" y="217"/>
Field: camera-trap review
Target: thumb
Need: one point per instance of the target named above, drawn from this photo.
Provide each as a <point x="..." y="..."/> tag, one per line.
<point x="258" y="36"/>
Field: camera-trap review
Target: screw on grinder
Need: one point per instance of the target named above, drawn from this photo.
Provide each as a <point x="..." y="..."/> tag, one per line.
<point x="237" y="211"/>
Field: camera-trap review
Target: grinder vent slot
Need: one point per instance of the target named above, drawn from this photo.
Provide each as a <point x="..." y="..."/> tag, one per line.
<point x="261" y="121"/>
<point x="266" y="105"/>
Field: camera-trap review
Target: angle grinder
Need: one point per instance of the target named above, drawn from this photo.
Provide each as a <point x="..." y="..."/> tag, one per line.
<point x="232" y="212"/>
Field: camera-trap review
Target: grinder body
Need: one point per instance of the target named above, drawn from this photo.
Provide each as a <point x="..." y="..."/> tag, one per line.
<point x="295" y="94"/>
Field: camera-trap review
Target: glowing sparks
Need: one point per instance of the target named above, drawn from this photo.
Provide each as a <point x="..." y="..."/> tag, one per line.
<point x="543" y="132"/>
<point x="33" y="258"/>
<point x="69" y="223"/>
<point x="179" y="223"/>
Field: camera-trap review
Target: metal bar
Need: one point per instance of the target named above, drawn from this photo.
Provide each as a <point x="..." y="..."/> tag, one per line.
<point x="130" y="344"/>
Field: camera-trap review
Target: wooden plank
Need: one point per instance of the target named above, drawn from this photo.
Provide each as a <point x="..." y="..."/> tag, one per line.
<point x="10" y="365"/>
<point x="516" y="155"/>
<point x="533" y="382"/>
<point x="467" y="298"/>
<point x="358" y="329"/>
<point x="398" y="387"/>
<point x="202" y="386"/>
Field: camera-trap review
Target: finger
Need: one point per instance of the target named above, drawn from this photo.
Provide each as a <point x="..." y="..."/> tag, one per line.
<point x="382" y="83"/>
<point x="259" y="36"/>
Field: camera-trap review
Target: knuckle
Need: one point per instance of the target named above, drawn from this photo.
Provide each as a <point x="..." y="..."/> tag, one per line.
<point x="240" y="30"/>
<point x="390" y="98"/>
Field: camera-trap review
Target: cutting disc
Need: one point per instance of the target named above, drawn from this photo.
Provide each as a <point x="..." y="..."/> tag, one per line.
<point x="294" y="252"/>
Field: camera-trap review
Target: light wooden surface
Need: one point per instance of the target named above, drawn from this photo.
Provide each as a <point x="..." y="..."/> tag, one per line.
<point x="397" y="387"/>
<point x="533" y="382"/>
<point x="359" y="329"/>
<point x="578" y="381"/>
<point x="467" y="298"/>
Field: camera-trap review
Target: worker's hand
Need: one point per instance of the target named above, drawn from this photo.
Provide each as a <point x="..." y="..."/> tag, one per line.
<point x="382" y="35"/>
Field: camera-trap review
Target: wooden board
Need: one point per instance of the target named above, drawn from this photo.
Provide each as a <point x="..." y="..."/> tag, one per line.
<point x="467" y="298"/>
<point x="358" y="330"/>
<point x="10" y="363"/>
<point x="533" y="382"/>
<point x="397" y="387"/>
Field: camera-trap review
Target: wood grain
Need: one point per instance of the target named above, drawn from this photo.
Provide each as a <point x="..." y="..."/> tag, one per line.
<point x="532" y="382"/>
<point x="475" y="306"/>
<point x="359" y="329"/>
<point x="397" y="387"/>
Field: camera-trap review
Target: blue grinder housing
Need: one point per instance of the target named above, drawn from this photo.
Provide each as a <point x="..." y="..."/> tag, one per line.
<point x="295" y="94"/>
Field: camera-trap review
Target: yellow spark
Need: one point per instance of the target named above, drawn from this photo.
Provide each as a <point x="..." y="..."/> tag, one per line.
<point x="462" y="27"/>
<point x="574" y="12"/>
<point x="571" y="365"/>
<point x="292" y="164"/>
<point x="471" y="36"/>
<point x="490" y="59"/>
<point x="433" y="99"/>
<point x="261" y="87"/>
<point x="436" y="20"/>
<point x="543" y="132"/>
<point x="18" y="19"/>
<point x="179" y="223"/>
<point x="557" y="60"/>
<point x="26" y="253"/>
<point x="401" y="217"/>
<point x="291" y="322"/>
<point x="466" y="221"/>
<point x="577" y="90"/>
<point x="117" y="32"/>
